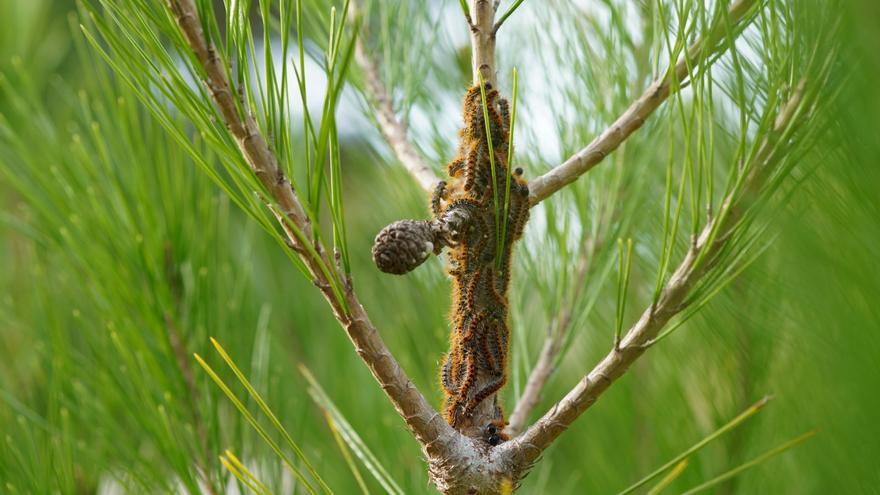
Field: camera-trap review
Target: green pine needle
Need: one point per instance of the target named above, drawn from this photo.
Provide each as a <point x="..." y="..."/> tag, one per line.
<point x="754" y="462"/>
<point x="498" y="238"/>
<point x="509" y="12"/>
<point x="371" y="462"/>
<point x="741" y="418"/>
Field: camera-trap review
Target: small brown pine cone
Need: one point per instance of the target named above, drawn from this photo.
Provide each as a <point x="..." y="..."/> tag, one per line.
<point x="402" y="246"/>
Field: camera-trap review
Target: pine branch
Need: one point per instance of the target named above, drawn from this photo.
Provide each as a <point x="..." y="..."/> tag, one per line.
<point x="699" y="261"/>
<point x="426" y="424"/>
<point x="393" y="130"/>
<point x="483" y="42"/>
<point x="556" y="335"/>
<point x="705" y="48"/>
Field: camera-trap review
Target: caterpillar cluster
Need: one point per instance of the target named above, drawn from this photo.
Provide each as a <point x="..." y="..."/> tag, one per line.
<point x="475" y="368"/>
<point x="469" y="209"/>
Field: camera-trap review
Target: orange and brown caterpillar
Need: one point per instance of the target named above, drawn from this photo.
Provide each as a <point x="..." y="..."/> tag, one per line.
<point x="475" y="368"/>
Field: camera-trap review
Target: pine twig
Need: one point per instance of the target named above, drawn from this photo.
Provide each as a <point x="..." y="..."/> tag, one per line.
<point x="483" y="42"/>
<point x="427" y="425"/>
<point x="556" y="335"/>
<point x="635" y="116"/>
<point x="393" y="130"/>
<point x="540" y="374"/>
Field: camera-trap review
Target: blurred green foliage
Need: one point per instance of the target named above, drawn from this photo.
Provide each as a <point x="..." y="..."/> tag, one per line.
<point x="119" y="259"/>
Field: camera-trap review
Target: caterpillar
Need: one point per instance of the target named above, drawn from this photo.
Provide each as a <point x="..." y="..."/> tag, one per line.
<point x="467" y="214"/>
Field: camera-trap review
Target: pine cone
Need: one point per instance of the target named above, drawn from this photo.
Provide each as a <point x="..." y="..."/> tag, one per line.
<point x="402" y="246"/>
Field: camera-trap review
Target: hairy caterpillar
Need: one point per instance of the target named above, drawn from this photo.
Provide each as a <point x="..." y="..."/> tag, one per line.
<point x="466" y="221"/>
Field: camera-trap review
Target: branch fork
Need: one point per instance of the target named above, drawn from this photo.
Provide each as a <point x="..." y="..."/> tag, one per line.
<point x="458" y="464"/>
